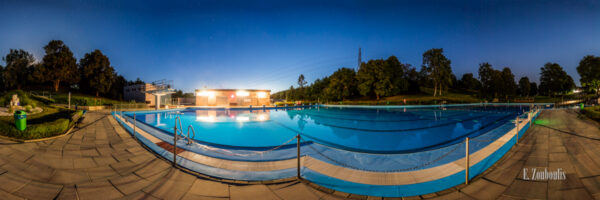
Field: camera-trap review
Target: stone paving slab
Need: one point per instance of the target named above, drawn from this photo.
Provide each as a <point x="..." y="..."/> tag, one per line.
<point x="102" y="161"/>
<point x="207" y="188"/>
<point x="94" y="190"/>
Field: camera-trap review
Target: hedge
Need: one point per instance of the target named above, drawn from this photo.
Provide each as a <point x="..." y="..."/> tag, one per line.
<point x="42" y="130"/>
<point x="592" y="112"/>
<point x="36" y="131"/>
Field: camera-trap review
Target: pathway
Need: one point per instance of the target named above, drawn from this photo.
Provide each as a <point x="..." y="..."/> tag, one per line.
<point x="99" y="161"/>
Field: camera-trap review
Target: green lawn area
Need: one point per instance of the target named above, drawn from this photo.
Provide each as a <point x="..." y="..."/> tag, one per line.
<point x="85" y="100"/>
<point x="50" y="122"/>
<point x="424" y="98"/>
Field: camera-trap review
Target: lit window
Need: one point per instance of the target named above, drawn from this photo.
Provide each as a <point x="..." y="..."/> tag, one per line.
<point x="261" y="94"/>
<point x="241" y="93"/>
<point x="206" y="93"/>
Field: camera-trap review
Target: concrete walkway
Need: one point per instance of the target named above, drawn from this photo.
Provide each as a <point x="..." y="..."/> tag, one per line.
<point x="560" y="139"/>
<point x="99" y="161"/>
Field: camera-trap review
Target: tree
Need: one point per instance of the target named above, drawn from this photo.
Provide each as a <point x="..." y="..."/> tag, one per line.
<point x="554" y="80"/>
<point x="177" y="94"/>
<point x="593" y="85"/>
<point x="486" y="77"/>
<point x="382" y="77"/>
<point x="317" y="88"/>
<point x="508" y="86"/>
<point x="301" y="81"/>
<point x="342" y="84"/>
<point x="395" y="72"/>
<point x="2" y="83"/>
<point x="438" y="70"/>
<point x="96" y="72"/>
<point x="589" y="70"/>
<point x="469" y="82"/>
<point x="136" y="82"/>
<point x="116" y="89"/>
<point x="524" y="86"/>
<point x="59" y="64"/>
<point x="290" y="94"/>
<point x="18" y="68"/>
<point x="412" y="76"/>
<point x="534" y="89"/>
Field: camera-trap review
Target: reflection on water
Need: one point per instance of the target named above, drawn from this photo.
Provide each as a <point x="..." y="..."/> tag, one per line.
<point x="232" y="115"/>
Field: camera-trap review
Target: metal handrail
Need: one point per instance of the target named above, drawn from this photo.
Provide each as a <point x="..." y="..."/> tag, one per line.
<point x="189" y="140"/>
<point x="179" y="132"/>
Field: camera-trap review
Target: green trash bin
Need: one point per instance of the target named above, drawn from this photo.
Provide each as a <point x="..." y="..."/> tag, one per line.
<point x="21" y="120"/>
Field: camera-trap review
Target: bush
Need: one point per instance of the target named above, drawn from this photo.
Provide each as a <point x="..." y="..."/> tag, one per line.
<point x="24" y="98"/>
<point x="284" y="103"/>
<point x="592" y="112"/>
<point x="28" y="108"/>
<point x="36" y="131"/>
<point x="51" y="122"/>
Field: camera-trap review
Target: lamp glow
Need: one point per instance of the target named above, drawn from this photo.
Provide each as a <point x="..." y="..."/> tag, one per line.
<point x="261" y="94"/>
<point x="205" y="93"/>
<point x="242" y="93"/>
<point x="242" y="118"/>
<point x="262" y="117"/>
<point x="206" y="118"/>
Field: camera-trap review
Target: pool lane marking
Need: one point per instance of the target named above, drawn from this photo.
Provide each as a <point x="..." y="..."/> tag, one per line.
<point x="410" y="129"/>
<point x="423" y="175"/>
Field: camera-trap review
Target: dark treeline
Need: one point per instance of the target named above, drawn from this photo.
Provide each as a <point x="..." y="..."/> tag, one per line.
<point x="59" y="70"/>
<point x="390" y="77"/>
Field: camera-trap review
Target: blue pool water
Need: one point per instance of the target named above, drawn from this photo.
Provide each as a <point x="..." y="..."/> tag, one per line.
<point x="356" y="129"/>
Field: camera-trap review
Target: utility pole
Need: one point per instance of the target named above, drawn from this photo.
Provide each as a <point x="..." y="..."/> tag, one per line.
<point x="359" y="59"/>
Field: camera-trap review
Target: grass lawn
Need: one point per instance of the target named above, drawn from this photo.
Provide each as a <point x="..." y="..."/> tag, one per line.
<point x="85" y="100"/>
<point x="424" y="98"/>
<point x="50" y="122"/>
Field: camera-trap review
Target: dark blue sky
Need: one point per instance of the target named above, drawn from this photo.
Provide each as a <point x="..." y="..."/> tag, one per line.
<point x="267" y="44"/>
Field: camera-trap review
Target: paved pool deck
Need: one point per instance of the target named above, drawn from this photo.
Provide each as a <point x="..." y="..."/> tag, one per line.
<point x="101" y="161"/>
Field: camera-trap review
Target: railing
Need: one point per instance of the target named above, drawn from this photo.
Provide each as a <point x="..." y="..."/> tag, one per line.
<point x="189" y="139"/>
<point x="46" y="94"/>
<point x="353" y="160"/>
<point x="128" y="107"/>
<point x="177" y="134"/>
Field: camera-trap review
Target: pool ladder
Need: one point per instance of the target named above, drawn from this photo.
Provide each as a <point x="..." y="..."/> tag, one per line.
<point x="180" y="132"/>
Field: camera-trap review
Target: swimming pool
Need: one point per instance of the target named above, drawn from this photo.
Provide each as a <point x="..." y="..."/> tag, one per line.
<point x="387" y="130"/>
<point x="388" y="151"/>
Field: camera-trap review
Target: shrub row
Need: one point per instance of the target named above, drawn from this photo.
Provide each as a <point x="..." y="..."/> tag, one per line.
<point x="592" y="112"/>
<point x="37" y="131"/>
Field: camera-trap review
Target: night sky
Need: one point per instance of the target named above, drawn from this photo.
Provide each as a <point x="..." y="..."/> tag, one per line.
<point x="267" y="44"/>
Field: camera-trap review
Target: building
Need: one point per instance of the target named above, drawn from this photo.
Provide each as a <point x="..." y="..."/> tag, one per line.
<point x="142" y="93"/>
<point x="232" y="97"/>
